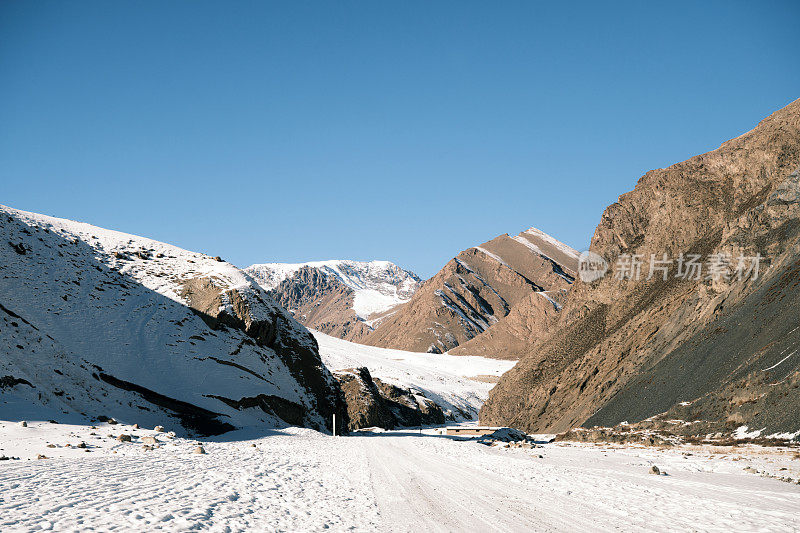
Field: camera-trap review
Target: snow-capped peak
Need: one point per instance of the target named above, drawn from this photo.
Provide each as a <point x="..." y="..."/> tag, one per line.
<point x="377" y="285"/>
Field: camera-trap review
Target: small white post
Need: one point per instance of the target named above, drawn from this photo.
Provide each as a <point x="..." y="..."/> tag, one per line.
<point x="334" y="424"/>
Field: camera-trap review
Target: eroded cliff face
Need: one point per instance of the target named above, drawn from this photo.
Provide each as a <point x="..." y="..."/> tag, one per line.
<point x="627" y="349"/>
<point x="476" y="291"/>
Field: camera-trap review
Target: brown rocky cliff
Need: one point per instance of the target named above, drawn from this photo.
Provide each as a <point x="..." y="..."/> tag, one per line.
<point x="742" y="198"/>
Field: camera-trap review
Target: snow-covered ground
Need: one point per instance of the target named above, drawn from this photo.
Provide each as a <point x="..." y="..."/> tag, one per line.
<point x="301" y="480"/>
<point x="456" y="383"/>
<point x="377" y="285"/>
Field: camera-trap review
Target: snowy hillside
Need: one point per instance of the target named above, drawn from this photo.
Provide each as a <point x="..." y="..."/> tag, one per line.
<point x="458" y="384"/>
<point x="377" y="285"/>
<point x="97" y="322"/>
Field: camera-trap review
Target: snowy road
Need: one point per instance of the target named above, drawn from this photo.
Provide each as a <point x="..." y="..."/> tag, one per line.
<point x="299" y="480"/>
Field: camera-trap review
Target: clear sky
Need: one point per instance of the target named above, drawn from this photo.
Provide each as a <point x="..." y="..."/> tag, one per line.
<point x="407" y="131"/>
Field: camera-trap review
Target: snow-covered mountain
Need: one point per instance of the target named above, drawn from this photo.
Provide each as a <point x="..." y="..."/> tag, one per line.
<point x="339" y="297"/>
<point x="97" y="322"/>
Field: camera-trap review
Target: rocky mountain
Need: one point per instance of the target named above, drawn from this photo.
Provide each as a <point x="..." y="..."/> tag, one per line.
<point x="708" y="350"/>
<point x="96" y="322"/>
<point x="372" y="402"/>
<point x="346" y="299"/>
<point x="480" y="289"/>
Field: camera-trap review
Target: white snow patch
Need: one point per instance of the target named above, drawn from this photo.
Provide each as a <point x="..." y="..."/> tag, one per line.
<point x="568" y="250"/>
<point x="493" y="256"/>
<point x="743" y="432"/>
<point x="781" y="361"/>
<point x="549" y="299"/>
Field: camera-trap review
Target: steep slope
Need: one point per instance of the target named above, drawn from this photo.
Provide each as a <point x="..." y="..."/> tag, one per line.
<point x="512" y="336"/>
<point x="341" y="298"/>
<point x="97" y="322"/>
<point x="718" y="353"/>
<point x="477" y="290"/>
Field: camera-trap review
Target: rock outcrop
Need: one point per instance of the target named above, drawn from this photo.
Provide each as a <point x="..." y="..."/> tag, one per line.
<point x="96" y="321"/>
<point x="715" y="350"/>
<point x="480" y="290"/>
<point x="372" y="402"/>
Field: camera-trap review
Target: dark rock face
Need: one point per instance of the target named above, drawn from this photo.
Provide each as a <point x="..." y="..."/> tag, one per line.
<point x="626" y="350"/>
<point x="409" y="408"/>
<point x="365" y="405"/>
<point x="374" y="403"/>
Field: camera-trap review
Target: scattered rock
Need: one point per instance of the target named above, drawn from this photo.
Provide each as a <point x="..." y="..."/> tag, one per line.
<point x="51" y="446"/>
<point x="199" y="450"/>
<point x="82" y="445"/>
<point x="40" y="456"/>
<point x="149" y="440"/>
<point x="136" y="426"/>
<point x="655" y="470"/>
<point x="23" y="424"/>
<point x="159" y="429"/>
<point x="218" y="259"/>
<point x="124" y="438"/>
<point x="20" y="248"/>
<point x="147" y="447"/>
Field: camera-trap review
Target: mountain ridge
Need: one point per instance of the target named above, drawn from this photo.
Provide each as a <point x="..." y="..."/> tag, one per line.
<point x="477" y="289"/>
<point x="344" y="298"/>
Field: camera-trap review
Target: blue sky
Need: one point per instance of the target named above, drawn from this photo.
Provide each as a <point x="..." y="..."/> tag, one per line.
<point x="292" y="131"/>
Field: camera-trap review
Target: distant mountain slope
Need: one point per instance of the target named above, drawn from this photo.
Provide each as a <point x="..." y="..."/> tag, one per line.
<point x="478" y="289"/>
<point x="459" y="385"/>
<point x="339" y="297"/>
<point x="716" y="352"/>
<point x="96" y="322"/>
